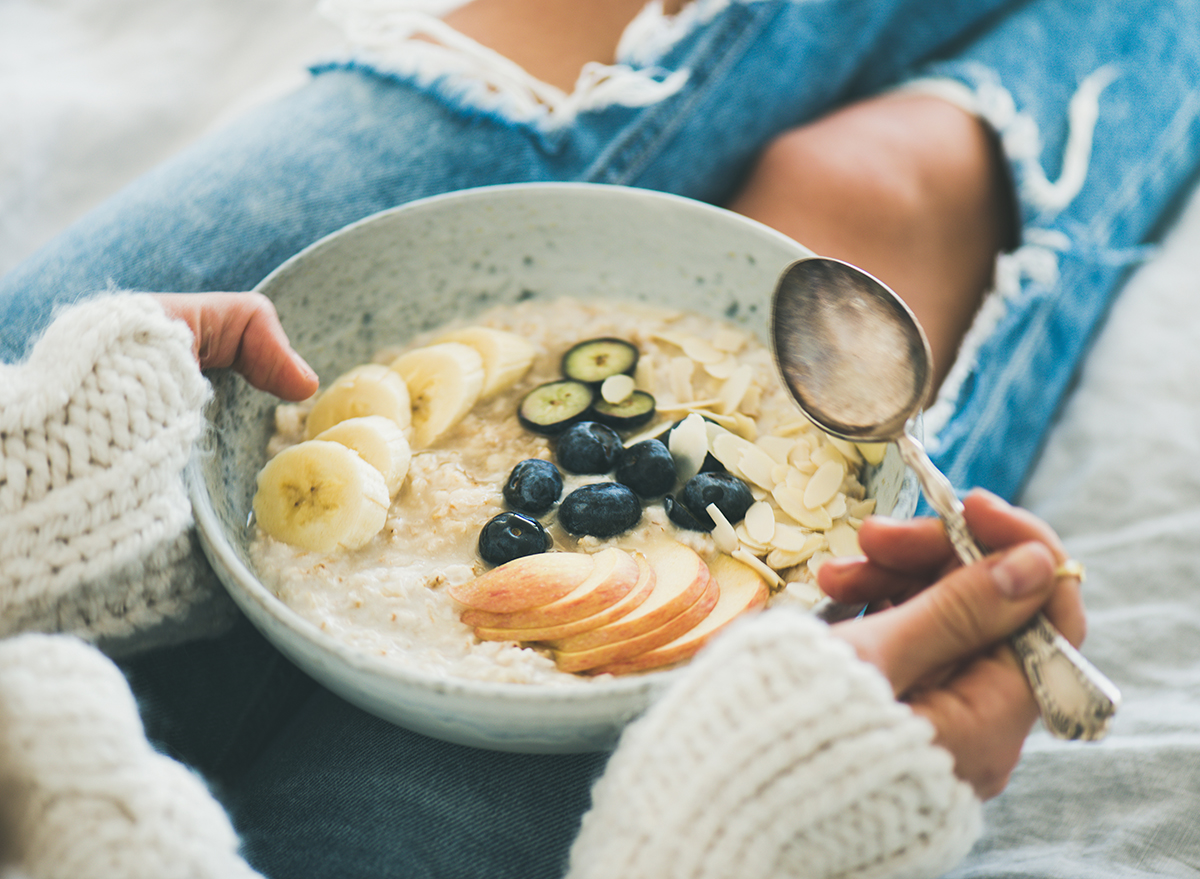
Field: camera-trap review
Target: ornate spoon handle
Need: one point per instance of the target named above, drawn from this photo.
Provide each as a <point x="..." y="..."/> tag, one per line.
<point x="1076" y="700"/>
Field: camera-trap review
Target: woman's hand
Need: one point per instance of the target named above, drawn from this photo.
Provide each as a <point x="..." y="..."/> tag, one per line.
<point x="940" y="638"/>
<point x="242" y="330"/>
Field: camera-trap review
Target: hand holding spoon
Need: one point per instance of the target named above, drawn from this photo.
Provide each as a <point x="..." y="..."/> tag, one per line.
<point x="858" y="364"/>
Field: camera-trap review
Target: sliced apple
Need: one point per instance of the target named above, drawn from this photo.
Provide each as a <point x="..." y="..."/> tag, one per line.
<point x="680" y="577"/>
<point x="742" y="590"/>
<point x="633" y="599"/>
<point x="612" y="578"/>
<point x="622" y="651"/>
<point x="525" y="582"/>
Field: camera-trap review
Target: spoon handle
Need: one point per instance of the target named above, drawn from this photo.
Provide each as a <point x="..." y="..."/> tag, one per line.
<point x="1076" y="700"/>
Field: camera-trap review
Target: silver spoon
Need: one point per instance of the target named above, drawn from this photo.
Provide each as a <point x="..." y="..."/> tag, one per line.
<point x="858" y="364"/>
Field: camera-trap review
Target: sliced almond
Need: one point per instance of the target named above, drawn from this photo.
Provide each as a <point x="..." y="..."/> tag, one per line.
<point x="778" y="447"/>
<point x="701" y="351"/>
<point x="734" y="389"/>
<point x="727" y="448"/>
<point x="744" y="538"/>
<point x="791" y="501"/>
<point x="722" y="369"/>
<point x="756" y="465"/>
<point x="826" y="452"/>
<point x="848" y="449"/>
<point x="824" y="484"/>
<point x="861" y="509"/>
<point x="688" y="444"/>
<point x="617" y="388"/>
<point x="767" y="573"/>
<point x="760" y="522"/>
<point x="789" y="538"/>
<point x="872" y="452"/>
<point x="843" y="540"/>
<point x="681" y="378"/>
<point x="729" y="340"/>
<point x="723" y="534"/>
<point x="836" y="508"/>
<point x="745" y="426"/>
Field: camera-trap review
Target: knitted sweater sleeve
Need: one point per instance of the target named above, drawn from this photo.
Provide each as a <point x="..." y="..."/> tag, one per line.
<point x="778" y="753"/>
<point x="95" y="428"/>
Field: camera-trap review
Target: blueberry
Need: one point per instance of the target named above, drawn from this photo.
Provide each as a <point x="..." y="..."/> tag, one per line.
<point x="679" y="514"/>
<point x="604" y="509"/>
<point x="730" y="494"/>
<point x="509" y="536"/>
<point x="533" y="486"/>
<point x="647" y="467"/>
<point x="588" y="447"/>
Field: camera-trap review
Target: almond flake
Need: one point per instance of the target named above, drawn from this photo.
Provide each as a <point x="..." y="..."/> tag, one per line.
<point x="843" y="540"/>
<point x="772" y="578"/>
<point x="797" y="478"/>
<point x="643" y="375"/>
<point x="745" y="426"/>
<point x="793" y="428"/>
<point x="734" y="389"/>
<point x="818" y="559"/>
<point x="789" y="538"/>
<point x="672" y="338"/>
<point x="777" y="447"/>
<point x="681" y="378"/>
<point x="727" y="448"/>
<point x="722" y="369"/>
<point x="760" y="522"/>
<point x="756" y="465"/>
<point x="743" y="536"/>
<point x="804" y="592"/>
<point x="824" y="484"/>
<point x="791" y="501"/>
<point x="617" y="388"/>
<point x="848" y="449"/>
<point x="836" y="508"/>
<point x="701" y="351"/>
<point x="781" y="560"/>
<point x="688" y="444"/>
<point x="861" y="509"/>
<point x="728" y="340"/>
<point x="826" y="452"/>
<point x="752" y="403"/>
<point x="723" y="534"/>
<point x="780" y="473"/>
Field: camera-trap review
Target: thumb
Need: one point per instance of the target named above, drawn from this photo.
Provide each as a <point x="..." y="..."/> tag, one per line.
<point x="960" y="615"/>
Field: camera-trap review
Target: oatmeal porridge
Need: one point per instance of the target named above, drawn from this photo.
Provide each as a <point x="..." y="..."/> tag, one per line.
<point x="733" y="493"/>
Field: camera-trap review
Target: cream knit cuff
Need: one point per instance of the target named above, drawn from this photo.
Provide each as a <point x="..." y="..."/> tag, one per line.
<point x="95" y="428"/>
<point x="777" y="754"/>
<point x="87" y="796"/>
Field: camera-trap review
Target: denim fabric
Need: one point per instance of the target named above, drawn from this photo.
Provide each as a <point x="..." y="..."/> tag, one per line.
<point x="1075" y="256"/>
<point x="322" y="789"/>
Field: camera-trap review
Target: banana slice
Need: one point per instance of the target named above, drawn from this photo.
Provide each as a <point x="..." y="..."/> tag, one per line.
<point x="370" y="389"/>
<point x="444" y="381"/>
<point x="506" y="356"/>
<point x="379" y="442"/>
<point x="321" y="496"/>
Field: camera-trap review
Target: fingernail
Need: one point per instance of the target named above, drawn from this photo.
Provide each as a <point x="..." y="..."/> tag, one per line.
<point x="1021" y="571"/>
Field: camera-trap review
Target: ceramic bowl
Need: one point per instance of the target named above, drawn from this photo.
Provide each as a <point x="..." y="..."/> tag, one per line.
<point x="415" y="267"/>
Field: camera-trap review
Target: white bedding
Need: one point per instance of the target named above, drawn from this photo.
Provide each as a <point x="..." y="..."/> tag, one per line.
<point x="92" y="94"/>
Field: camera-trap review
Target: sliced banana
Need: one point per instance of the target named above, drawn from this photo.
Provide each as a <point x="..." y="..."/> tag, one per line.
<point x="444" y="381"/>
<point x="321" y="496"/>
<point x="379" y="441"/>
<point x="370" y="389"/>
<point x="506" y="356"/>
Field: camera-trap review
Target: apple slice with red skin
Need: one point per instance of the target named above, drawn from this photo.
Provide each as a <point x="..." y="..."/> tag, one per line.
<point x="638" y="594"/>
<point x="680" y="578"/>
<point x="742" y="590"/>
<point x="615" y="574"/>
<point x="630" y="648"/>
<point x="529" y="581"/>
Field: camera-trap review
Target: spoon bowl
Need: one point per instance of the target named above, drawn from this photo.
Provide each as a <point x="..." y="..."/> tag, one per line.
<point x="858" y="364"/>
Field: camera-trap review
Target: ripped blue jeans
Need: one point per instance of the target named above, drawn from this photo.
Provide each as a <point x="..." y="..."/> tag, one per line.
<point x="1098" y="111"/>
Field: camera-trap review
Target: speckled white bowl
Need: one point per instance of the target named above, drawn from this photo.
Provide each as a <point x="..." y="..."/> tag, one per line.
<point x="394" y="274"/>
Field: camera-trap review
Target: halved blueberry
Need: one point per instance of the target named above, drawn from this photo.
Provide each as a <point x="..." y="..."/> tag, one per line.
<point x="596" y="359"/>
<point x="554" y="406"/>
<point x="634" y="411"/>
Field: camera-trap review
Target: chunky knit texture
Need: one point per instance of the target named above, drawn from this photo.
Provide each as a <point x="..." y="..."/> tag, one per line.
<point x="89" y="798"/>
<point x="95" y="428"/>
<point x="778" y="755"/>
